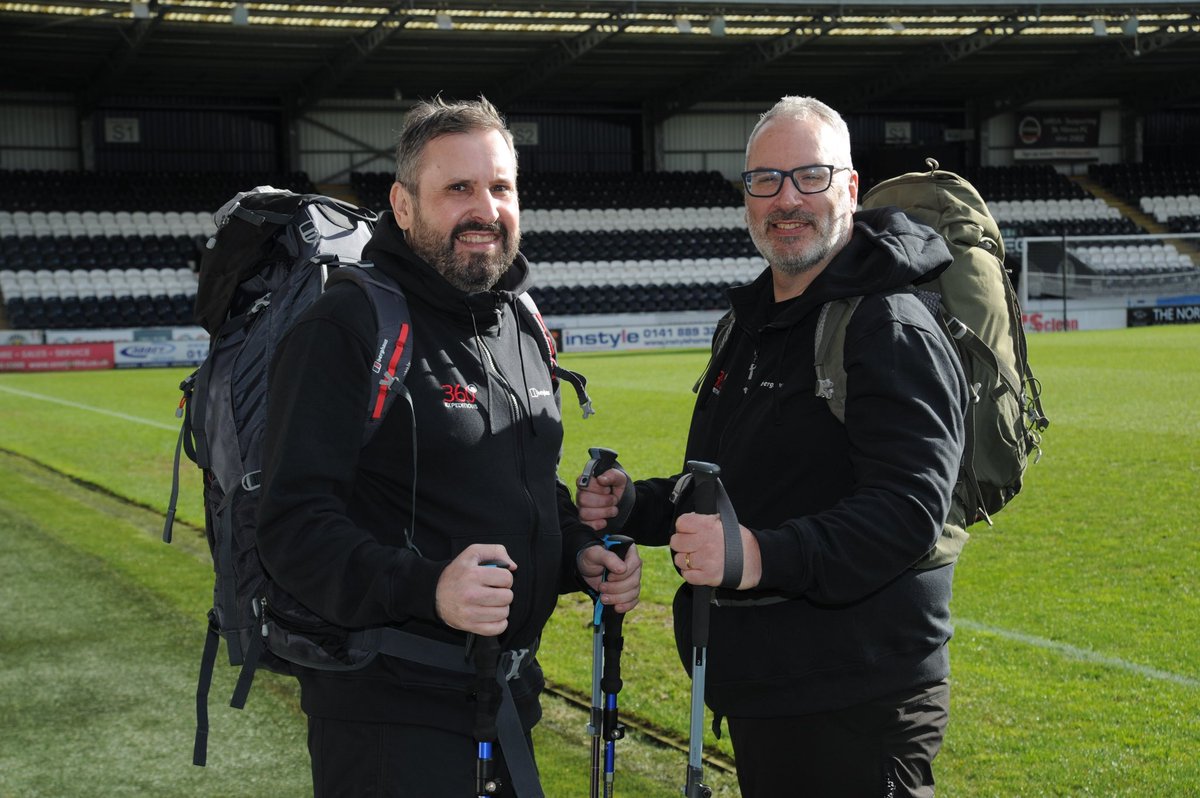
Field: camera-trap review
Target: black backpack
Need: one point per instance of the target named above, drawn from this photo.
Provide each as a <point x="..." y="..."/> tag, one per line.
<point x="271" y="257"/>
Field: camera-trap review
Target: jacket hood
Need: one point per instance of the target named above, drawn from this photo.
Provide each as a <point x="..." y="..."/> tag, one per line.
<point x="390" y="252"/>
<point x="887" y="250"/>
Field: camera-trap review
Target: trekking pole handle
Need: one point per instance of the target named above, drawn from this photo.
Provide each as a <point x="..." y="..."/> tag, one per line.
<point x="704" y="482"/>
<point x="602" y="460"/>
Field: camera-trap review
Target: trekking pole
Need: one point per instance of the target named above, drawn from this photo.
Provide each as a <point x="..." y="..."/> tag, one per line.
<point x="485" y="653"/>
<point x="610" y="682"/>
<point x="603" y="726"/>
<point x="487" y="697"/>
<point x="705" y="480"/>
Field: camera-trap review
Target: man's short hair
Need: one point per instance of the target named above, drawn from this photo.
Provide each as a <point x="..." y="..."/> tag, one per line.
<point x="430" y="119"/>
<point x="806" y="108"/>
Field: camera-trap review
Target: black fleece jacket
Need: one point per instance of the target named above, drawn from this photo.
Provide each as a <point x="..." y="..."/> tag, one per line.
<point x="337" y="526"/>
<point x="841" y="513"/>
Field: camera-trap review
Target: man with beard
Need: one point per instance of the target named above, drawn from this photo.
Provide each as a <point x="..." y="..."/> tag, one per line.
<point x="450" y="525"/>
<point x="829" y="658"/>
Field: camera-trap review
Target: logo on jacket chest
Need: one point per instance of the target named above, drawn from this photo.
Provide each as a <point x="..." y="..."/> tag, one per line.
<point x="458" y="396"/>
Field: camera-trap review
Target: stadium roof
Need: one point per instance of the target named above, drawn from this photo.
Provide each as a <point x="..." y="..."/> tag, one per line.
<point x="656" y="57"/>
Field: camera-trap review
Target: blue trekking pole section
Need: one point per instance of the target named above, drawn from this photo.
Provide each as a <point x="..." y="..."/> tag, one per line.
<point x="705" y="477"/>
<point x="606" y="683"/>
<point x="485" y="653"/>
<point x="604" y="726"/>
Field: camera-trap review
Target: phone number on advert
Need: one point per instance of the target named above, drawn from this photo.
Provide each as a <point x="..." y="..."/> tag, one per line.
<point x="651" y="334"/>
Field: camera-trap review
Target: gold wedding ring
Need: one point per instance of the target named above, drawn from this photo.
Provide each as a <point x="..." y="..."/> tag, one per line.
<point x="687" y="562"/>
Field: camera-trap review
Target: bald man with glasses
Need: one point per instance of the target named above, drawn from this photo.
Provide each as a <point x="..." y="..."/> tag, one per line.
<point x="829" y="660"/>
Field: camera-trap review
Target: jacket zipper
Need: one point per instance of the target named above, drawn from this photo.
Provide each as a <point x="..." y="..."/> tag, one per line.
<point x="515" y="407"/>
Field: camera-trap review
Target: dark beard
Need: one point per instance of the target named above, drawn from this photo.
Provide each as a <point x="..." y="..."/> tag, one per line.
<point x="468" y="273"/>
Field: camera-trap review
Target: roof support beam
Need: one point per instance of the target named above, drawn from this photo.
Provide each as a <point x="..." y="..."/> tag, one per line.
<point x="1053" y="84"/>
<point x="560" y="56"/>
<point x="742" y="66"/>
<point x="1186" y="87"/>
<point x="938" y="57"/>
<point x="119" y="61"/>
<point x="323" y="80"/>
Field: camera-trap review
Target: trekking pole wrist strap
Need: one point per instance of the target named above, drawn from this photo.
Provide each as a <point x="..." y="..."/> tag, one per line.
<point x="731" y="532"/>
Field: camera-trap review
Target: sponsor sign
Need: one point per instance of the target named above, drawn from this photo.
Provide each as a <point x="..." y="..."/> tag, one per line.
<point x="56" y="357"/>
<point x="1044" y="322"/>
<point x="1163" y="314"/>
<point x="138" y="354"/>
<point x="21" y="337"/>
<point x="630" y="337"/>
<point x="1071" y="135"/>
<point x="126" y="334"/>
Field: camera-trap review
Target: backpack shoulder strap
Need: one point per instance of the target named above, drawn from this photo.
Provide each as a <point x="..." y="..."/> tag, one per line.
<point x="393" y="355"/>
<point x="719" y="341"/>
<point x="829" y="346"/>
<point x="527" y="307"/>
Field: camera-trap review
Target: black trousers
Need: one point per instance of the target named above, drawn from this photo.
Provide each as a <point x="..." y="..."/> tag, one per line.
<point x="882" y="749"/>
<point x="382" y="760"/>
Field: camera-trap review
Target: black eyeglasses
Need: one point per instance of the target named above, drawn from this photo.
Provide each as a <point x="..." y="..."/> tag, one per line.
<point x="811" y="179"/>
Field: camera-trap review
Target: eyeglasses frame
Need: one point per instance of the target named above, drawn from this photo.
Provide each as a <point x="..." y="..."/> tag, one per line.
<point x="791" y="174"/>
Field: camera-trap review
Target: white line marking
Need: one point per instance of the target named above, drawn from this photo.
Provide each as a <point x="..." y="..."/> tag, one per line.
<point x="78" y="406"/>
<point x="1082" y="654"/>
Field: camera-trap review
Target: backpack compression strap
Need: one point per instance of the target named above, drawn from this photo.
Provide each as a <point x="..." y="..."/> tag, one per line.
<point x="393" y="355"/>
<point x="393" y="358"/>
<point x="829" y="346"/>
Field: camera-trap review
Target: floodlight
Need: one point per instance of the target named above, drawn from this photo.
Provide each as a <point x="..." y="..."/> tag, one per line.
<point x="240" y="15"/>
<point x="1099" y="28"/>
<point x="716" y="25"/>
<point x="444" y="22"/>
<point x="683" y="25"/>
<point x="1130" y="26"/>
<point x="139" y="10"/>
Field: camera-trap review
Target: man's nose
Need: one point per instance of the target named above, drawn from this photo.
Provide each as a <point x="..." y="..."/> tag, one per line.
<point x="789" y="195"/>
<point x="486" y="207"/>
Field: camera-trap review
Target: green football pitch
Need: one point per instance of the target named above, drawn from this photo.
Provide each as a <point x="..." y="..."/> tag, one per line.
<point x="1075" y="658"/>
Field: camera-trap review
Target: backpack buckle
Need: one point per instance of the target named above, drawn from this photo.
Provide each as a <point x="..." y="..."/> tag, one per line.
<point x="515" y="657"/>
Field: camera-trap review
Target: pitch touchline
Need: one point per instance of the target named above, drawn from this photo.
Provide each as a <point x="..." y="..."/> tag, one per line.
<point x="1078" y="653"/>
<point x="1073" y="652"/>
<point x="78" y="406"/>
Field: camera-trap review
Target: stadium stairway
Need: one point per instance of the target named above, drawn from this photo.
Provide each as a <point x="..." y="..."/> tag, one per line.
<point x="1135" y="213"/>
<point x="1147" y="223"/>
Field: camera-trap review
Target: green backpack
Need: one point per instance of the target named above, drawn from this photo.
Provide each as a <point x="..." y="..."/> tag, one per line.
<point x="980" y="314"/>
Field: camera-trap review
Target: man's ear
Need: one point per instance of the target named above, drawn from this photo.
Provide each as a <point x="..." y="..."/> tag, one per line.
<point x="402" y="206"/>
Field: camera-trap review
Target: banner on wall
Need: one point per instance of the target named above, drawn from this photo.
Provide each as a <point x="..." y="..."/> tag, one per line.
<point x="56" y="357"/>
<point x="1163" y="314"/>
<point x="138" y="354"/>
<point x="1066" y="135"/>
<point x="628" y="337"/>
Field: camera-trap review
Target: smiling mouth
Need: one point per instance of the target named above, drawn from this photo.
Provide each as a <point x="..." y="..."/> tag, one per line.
<point x="478" y="238"/>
